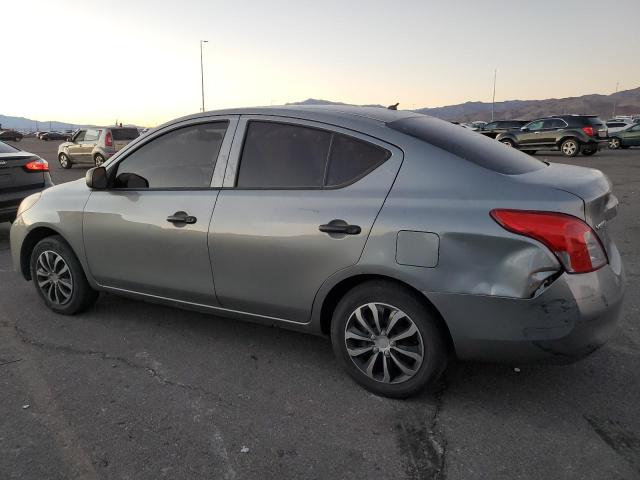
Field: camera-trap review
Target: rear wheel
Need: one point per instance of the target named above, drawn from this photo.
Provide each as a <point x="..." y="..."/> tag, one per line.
<point x="614" y="143"/>
<point x="588" y="151"/>
<point x="508" y="143"/>
<point x="387" y="339"/>
<point x="64" y="160"/>
<point x="98" y="159"/>
<point x="59" y="277"/>
<point x="531" y="152"/>
<point x="570" y="147"/>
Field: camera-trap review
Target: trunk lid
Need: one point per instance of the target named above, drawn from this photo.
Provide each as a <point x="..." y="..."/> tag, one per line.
<point x="13" y="175"/>
<point x="590" y="185"/>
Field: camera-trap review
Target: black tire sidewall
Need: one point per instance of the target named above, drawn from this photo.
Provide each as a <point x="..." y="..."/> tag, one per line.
<point x="83" y="295"/>
<point x="435" y="350"/>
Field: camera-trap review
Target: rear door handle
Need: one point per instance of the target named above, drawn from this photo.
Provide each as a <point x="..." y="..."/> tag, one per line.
<point x="181" y="217"/>
<point x="340" y="226"/>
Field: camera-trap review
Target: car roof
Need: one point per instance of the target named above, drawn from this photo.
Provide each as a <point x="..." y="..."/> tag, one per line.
<point x="344" y="115"/>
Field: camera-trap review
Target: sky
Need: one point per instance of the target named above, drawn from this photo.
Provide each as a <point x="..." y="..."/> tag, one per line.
<point x="138" y="61"/>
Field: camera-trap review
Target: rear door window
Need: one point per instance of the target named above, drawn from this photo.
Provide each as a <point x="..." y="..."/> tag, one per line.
<point x="279" y="155"/>
<point x="478" y="149"/>
<point x="91" y="135"/>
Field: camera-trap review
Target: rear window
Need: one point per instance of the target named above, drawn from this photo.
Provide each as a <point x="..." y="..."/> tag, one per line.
<point x="5" y="148"/>
<point x="594" y="121"/>
<point x="124" y="133"/>
<point x="478" y="149"/>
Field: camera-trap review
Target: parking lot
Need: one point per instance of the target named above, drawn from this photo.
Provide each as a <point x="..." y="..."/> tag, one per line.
<point x="136" y="390"/>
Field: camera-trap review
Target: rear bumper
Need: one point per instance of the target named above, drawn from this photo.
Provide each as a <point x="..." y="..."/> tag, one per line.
<point x="573" y="317"/>
<point x="9" y="202"/>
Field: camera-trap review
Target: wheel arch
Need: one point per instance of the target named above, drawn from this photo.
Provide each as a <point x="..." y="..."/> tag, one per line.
<point x="28" y="244"/>
<point x="340" y="289"/>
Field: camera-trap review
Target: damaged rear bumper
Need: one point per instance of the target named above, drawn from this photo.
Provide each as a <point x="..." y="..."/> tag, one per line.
<point x="573" y="317"/>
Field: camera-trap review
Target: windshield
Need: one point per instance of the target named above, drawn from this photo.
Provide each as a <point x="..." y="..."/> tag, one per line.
<point x="469" y="145"/>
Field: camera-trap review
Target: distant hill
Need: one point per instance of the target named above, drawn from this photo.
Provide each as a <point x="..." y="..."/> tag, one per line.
<point x="315" y="101"/>
<point x="27" y="124"/>
<point x="627" y="103"/>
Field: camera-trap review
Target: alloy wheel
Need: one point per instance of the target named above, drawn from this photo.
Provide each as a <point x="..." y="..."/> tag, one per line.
<point x="64" y="161"/>
<point x="507" y="143"/>
<point x="614" y="143"/>
<point x="569" y="148"/>
<point x="99" y="160"/>
<point x="54" y="277"/>
<point x="384" y="343"/>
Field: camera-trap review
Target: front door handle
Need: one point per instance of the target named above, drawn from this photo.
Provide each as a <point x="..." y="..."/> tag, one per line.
<point x="181" y="217"/>
<point x="340" y="226"/>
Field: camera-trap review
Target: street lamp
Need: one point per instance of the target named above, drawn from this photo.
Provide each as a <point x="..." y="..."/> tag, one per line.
<point x="202" y="72"/>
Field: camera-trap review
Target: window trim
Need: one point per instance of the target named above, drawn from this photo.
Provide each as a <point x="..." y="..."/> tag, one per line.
<point x="303" y="124"/>
<point x="219" y="167"/>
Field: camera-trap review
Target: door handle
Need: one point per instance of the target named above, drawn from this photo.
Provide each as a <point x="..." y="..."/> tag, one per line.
<point x="340" y="226"/>
<point x="181" y="217"/>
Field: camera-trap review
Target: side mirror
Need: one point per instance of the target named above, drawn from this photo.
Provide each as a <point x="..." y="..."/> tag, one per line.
<point x="96" y="178"/>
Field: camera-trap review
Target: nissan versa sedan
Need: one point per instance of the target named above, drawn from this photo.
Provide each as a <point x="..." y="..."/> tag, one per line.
<point x="404" y="238"/>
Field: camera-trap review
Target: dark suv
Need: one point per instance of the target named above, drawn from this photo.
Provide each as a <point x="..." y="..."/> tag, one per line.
<point x="571" y="134"/>
<point x="493" y="129"/>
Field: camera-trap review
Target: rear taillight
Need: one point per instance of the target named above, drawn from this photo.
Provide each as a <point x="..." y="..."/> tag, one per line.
<point x="37" y="165"/>
<point x="589" y="131"/>
<point x="108" y="140"/>
<point x="571" y="240"/>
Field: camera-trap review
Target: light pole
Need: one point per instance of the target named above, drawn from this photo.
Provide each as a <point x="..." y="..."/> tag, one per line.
<point x="202" y="72"/>
<point x="615" y="100"/>
<point x="493" y="100"/>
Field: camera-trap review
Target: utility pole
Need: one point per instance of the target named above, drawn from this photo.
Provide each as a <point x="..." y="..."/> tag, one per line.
<point x="493" y="101"/>
<point x="202" y="72"/>
<point x="615" y="100"/>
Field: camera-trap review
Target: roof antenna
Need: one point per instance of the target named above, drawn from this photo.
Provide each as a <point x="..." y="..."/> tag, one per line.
<point x="393" y="107"/>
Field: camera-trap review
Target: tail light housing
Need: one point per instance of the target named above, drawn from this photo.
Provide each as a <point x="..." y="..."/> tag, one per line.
<point x="37" y="165"/>
<point x="571" y="240"/>
<point x="589" y="131"/>
<point x="108" y="139"/>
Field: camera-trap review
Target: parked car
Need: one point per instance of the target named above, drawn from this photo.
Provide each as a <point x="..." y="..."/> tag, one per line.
<point x="94" y="145"/>
<point x="617" y="124"/>
<point x="53" y="136"/>
<point x="629" y="137"/>
<point x="21" y="175"/>
<point x="493" y="129"/>
<point x="11" y="135"/>
<point x="571" y="134"/>
<point x="404" y="238"/>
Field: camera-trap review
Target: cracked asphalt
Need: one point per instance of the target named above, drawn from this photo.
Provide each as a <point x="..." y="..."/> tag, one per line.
<point x="130" y="390"/>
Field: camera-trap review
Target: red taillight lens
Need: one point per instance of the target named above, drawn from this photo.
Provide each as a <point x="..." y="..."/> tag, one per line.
<point x="589" y="131"/>
<point x="108" y="140"/>
<point x="37" y="165"/>
<point x="571" y="240"/>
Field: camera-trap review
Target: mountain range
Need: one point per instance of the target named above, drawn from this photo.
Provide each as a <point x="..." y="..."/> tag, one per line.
<point x="627" y="102"/>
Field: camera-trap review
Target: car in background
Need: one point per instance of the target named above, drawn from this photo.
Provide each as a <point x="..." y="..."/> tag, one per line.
<point x="403" y="238"/>
<point x="570" y="134"/>
<point x="53" y="136"/>
<point x="95" y="145"/>
<point x="617" y="124"/>
<point x="11" y="135"/>
<point x="629" y="137"/>
<point x="493" y="129"/>
<point x="21" y="174"/>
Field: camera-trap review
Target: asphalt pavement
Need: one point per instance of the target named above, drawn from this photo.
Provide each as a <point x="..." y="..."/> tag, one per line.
<point x="131" y="390"/>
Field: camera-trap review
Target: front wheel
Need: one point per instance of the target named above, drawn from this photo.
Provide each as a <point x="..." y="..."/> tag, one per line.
<point x="387" y="339"/>
<point x="64" y="161"/>
<point x="59" y="277"/>
<point x="614" y="143"/>
<point x="507" y="143"/>
<point x="570" y="147"/>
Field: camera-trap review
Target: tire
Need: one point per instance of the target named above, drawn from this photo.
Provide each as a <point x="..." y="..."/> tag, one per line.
<point x="570" y="147"/>
<point x="427" y="342"/>
<point x="531" y="152"/>
<point x="98" y="159"/>
<point x="589" y="151"/>
<point x="615" y="143"/>
<point x="508" y="143"/>
<point x="69" y="292"/>
<point x="64" y="161"/>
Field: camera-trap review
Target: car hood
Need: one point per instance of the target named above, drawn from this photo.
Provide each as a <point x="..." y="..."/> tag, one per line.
<point x="73" y="188"/>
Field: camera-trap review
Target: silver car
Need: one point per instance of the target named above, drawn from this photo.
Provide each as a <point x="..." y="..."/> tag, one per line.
<point x="404" y="238"/>
<point x="95" y="145"/>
